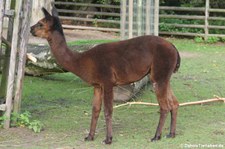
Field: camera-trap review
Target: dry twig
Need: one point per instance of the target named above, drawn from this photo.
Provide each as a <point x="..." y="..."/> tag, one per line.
<point x="182" y="104"/>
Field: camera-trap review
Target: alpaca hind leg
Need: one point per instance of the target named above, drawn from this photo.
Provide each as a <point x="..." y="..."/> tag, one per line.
<point x="168" y="103"/>
<point x="163" y="115"/>
<point x="173" y="113"/>
<point x="161" y="93"/>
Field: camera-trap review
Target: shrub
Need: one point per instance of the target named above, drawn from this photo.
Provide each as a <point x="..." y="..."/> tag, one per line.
<point x="222" y="39"/>
<point x="199" y="39"/>
<point x="24" y="120"/>
<point x="212" y="40"/>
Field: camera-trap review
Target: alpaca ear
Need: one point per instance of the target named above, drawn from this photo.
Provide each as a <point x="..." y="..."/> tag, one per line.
<point x="46" y="13"/>
<point x="54" y="11"/>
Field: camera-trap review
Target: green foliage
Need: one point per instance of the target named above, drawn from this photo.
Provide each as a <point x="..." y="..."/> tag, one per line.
<point x="2" y="119"/>
<point x="212" y="40"/>
<point x="199" y="39"/>
<point x="165" y="25"/>
<point x="23" y="120"/>
<point x="222" y="39"/>
<point x="36" y="126"/>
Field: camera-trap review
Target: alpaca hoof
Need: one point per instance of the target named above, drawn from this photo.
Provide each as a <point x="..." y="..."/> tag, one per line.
<point x="171" y="135"/>
<point x="89" y="138"/>
<point x="156" y="138"/>
<point x="108" y="140"/>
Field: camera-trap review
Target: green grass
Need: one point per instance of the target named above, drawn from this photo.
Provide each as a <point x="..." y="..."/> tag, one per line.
<point x="63" y="103"/>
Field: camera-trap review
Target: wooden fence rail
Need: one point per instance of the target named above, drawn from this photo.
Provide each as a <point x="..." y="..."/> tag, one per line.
<point x="198" y="13"/>
<point x="202" y="13"/>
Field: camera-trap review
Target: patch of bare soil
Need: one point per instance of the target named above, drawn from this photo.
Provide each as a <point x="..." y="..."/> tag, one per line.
<point x="23" y="138"/>
<point x="18" y="138"/>
<point x="188" y="55"/>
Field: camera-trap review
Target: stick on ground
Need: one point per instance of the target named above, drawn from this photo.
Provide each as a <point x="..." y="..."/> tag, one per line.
<point x="182" y="104"/>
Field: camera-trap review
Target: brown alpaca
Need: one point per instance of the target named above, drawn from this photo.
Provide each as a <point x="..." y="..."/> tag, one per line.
<point x="117" y="63"/>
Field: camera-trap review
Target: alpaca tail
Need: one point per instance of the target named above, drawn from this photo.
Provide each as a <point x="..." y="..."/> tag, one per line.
<point x="178" y="61"/>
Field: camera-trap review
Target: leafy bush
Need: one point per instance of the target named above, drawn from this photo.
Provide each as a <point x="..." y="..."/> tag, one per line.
<point x="222" y="39"/>
<point x="36" y="126"/>
<point x="24" y="120"/>
<point x="2" y="119"/>
<point x="199" y="39"/>
<point x="212" y="40"/>
<point x="171" y="28"/>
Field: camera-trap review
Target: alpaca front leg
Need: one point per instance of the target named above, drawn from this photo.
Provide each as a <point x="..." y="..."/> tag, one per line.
<point x="96" y="108"/>
<point x="108" y="110"/>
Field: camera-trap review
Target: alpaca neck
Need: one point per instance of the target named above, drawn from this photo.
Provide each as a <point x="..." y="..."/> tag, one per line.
<point x="64" y="56"/>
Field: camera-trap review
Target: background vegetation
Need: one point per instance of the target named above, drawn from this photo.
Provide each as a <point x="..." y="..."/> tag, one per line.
<point x="163" y="21"/>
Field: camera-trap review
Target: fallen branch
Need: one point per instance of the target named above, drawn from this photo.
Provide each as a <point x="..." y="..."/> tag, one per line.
<point x="182" y="104"/>
<point x="136" y="103"/>
<point x="31" y="57"/>
<point x="203" y="101"/>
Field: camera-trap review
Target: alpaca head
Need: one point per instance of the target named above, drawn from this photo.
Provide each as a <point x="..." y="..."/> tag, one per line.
<point x="50" y="23"/>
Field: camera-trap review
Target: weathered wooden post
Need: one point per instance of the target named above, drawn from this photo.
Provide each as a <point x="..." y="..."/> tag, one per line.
<point x="9" y="13"/>
<point x="36" y="7"/>
<point x="20" y="31"/>
<point x="12" y="65"/>
<point x="22" y="54"/>
<point x="2" y="4"/>
<point x="123" y="15"/>
<point x="138" y="17"/>
<point x="2" y="12"/>
<point x="206" y="20"/>
<point x="130" y="18"/>
<point x="156" y="18"/>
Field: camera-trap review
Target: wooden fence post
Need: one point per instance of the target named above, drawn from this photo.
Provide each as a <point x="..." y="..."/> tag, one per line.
<point x="2" y="12"/>
<point x="10" y="82"/>
<point x="139" y="17"/>
<point x="147" y="19"/>
<point x="22" y="54"/>
<point x="36" y="7"/>
<point x="130" y="18"/>
<point x="6" y="59"/>
<point x="206" y="19"/>
<point x="156" y="18"/>
<point x="123" y="14"/>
